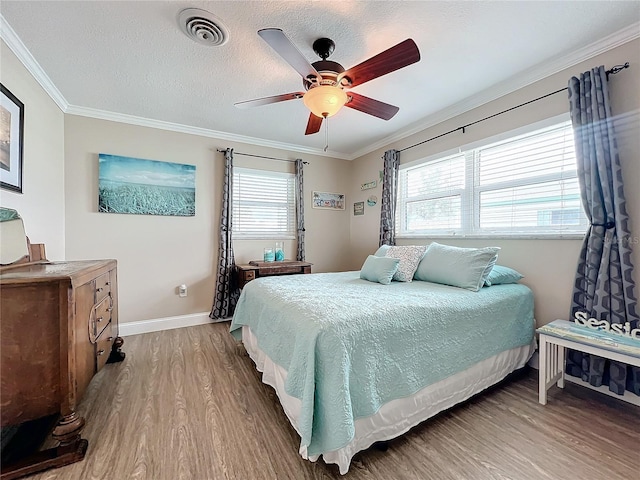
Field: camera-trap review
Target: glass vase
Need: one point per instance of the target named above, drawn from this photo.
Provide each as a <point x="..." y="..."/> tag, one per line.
<point x="279" y="254"/>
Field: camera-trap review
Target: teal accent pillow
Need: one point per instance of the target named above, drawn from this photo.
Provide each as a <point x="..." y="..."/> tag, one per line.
<point x="379" y="269"/>
<point x="382" y="251"/>
<point x="501" y="275"/>
<point x="459" y="267"/>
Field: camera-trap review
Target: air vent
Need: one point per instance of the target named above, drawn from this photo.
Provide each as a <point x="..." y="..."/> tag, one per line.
<point x="203" y="27"/>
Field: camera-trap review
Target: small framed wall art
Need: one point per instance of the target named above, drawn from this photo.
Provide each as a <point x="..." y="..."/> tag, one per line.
<point x="11" y="140"/>
<point x="327" y="201"/>
<point x="358" y="208"/>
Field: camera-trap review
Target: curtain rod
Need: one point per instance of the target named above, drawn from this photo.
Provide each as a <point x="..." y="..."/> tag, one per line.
<point x="261" y="156"/>
<point x="611" y="71"/>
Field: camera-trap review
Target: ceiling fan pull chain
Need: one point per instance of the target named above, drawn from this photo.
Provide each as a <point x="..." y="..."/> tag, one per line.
<point x="326" y="133"/>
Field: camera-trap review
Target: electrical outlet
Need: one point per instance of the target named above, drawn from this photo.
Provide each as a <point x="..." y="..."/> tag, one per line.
<point x="182" y="290"/>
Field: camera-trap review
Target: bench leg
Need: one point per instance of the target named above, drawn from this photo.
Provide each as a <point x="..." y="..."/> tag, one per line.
<point x="561" y="362"/>
<point x="542" y="377"/>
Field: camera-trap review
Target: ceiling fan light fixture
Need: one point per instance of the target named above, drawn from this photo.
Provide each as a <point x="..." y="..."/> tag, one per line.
<point x="325" y="100"/>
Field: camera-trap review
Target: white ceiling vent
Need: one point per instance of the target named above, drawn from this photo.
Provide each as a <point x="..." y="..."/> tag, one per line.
<point x="203" y="27"/>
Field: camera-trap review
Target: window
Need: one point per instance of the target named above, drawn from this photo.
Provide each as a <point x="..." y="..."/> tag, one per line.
<point x="525" y="185"/>
<point x="263" y="204"/>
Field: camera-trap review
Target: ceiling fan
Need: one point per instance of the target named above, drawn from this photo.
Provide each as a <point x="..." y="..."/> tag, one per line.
<point x="325" y="81"/>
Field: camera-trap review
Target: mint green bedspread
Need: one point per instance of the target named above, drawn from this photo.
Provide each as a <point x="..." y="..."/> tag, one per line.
<point x="349" y="346"/>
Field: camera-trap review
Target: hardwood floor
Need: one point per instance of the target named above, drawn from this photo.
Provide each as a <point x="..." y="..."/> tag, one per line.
<point x="189" y="404"/>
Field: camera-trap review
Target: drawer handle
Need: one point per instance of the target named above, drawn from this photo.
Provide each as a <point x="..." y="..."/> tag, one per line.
<point x="99" y="319"/>
<point x="107" y="283"/>
<point x="109" y="338"/>
<point x="100" y="352"/>
<point x="99" y="289"/>
<point x="109" y="309"/>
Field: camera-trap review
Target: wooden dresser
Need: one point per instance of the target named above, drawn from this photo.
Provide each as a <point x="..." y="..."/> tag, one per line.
<point x="59" y="326"/>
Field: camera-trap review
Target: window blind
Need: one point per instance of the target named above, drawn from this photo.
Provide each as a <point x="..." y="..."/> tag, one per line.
<point x="263" y="204"/>
<point x="523" y="185"/>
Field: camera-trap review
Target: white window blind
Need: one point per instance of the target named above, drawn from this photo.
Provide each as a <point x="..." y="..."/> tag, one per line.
<point x="525" y="185"/>
<point x="263" y="204"/>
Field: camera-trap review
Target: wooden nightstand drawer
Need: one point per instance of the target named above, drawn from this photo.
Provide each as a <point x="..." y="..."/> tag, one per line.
<point x="249" y="275"/>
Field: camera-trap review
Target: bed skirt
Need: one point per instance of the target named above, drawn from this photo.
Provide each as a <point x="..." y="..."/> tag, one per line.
<point x="397" y="416"/>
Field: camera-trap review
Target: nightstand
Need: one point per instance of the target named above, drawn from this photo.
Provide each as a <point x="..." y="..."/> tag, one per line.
<point x="255" y="269"/>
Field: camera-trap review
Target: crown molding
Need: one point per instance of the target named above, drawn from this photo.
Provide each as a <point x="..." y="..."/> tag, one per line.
<point x="203" y="132"/>
<point x="529" y="76"/>
<point x="24" y="55"/>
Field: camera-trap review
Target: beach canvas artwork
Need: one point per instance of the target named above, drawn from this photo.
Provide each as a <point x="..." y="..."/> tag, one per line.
<point x="145" y="187"/>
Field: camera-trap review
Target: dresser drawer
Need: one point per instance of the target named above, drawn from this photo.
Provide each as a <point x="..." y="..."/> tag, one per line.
<point x="103" y="286"/>
<point x="103" y="345"/>
<point x="100" y="317"/>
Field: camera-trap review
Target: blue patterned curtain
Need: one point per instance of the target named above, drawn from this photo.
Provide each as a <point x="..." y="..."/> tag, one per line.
<point x="300" y="209"/>
<point x="227" y="292"/>
<point x="389" y="197"/>
<point x="604" y="287"/>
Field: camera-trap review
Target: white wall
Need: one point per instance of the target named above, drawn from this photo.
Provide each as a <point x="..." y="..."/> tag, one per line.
<point x="41" y="203"/>
<point x="157" y="253"/>
<point x="548" y="265"/>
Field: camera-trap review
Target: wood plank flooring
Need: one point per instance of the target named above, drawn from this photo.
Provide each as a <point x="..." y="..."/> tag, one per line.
<point x="189" y="404"/>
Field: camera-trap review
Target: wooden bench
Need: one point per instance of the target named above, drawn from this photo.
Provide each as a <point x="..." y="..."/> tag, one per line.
<point x="559" y="335"/>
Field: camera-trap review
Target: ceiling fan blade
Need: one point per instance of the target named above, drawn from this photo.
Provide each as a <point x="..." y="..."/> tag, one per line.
<point x="267" y="100"/>
<point x="288" y="51"/>
<point x="395" y="58"/>
<point x="372" y="107"/>
<point x="313" y="125"/>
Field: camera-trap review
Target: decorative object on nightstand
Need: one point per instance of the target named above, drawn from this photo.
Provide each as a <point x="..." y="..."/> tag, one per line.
<point x="268" y="255"/>
<point x="279" y="251"/>
<point x="256" y="269"/>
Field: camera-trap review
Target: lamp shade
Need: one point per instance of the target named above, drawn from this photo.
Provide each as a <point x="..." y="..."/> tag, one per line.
<point x="325" y="101"/>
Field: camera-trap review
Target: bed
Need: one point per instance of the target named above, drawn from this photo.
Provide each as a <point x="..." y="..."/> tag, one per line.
<point x="355" y="362"/>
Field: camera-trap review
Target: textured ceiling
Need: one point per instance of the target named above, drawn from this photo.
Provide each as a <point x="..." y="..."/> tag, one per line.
<point x="132" y="58"/>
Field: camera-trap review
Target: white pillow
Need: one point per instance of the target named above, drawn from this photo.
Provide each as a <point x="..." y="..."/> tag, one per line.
<point x="409" y="256"/>
<point x="460" y="267"/>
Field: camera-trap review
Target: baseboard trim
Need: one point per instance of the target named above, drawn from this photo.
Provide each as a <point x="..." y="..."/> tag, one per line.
<point x="166" y="323"/>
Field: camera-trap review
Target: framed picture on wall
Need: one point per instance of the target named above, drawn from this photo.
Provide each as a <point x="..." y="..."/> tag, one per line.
<point x="358" y="208"/>
<point x="327" y="201"/>
<point x="11" y="140"/>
